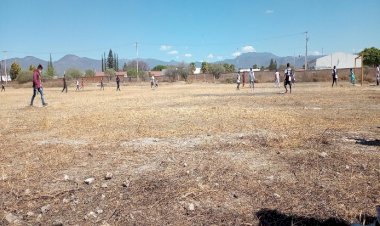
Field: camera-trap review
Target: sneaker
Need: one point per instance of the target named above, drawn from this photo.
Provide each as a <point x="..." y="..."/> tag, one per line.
<point x="45" y="104"/>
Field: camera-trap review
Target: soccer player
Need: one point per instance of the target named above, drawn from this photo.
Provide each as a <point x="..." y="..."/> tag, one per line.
<point x="288" y="78"/>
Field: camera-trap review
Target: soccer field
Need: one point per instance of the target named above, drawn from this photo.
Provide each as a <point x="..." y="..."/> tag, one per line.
<point x="190" y="154"/>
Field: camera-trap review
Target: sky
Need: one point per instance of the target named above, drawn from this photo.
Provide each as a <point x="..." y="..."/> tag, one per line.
<point x="186" y="30"/>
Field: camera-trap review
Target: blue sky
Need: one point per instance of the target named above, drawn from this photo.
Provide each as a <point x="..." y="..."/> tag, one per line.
<point x="188" y="30"/>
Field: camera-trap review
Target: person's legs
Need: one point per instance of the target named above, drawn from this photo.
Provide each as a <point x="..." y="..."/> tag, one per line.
<point x="286" y="88"/>
<point x="41" y="91"/>
<point x="34" y="95"/>
<point x="290" y="87"/>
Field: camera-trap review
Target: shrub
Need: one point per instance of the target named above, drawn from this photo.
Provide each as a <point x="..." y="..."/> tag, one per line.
<point x="25" y="76"/>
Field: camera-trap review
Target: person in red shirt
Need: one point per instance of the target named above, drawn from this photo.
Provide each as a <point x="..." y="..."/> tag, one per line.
<point x="37" y="86"/>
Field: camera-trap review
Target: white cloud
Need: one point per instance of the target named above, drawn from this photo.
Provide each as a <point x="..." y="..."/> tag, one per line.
<point x="236" y="54"/>
<point x="210" y="56"/>
<point x="219" y="57"/>
<point x="248" y="49"/>
<point x="269" y="11"/>
<point x="165" y="47"/>
<point x="188" y="55"/>
<point x="173" y="52"/>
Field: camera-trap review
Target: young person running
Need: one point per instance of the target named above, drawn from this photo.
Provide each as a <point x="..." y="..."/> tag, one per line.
<point x="288" y="78"/>
<point x="334" y="75"/>
<point x="37" y="86"/>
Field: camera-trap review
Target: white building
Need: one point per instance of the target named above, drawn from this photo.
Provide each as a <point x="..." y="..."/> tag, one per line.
<point x="197" y="71"/>
<point x="338" y="59"/>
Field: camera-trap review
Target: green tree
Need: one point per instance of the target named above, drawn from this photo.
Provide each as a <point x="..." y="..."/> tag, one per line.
<point x="15" y="70"/>
<point x="272" y="65"/>
<point x="32" y="67"/>
<point x="229" y="68"/>
<point x="110" y="60"/>
<point x="89" y="73"/>
<point x="192" y="67"/>
<point x="73" y="73"/>
<point x="159" y="67"/>
<point x="110" y="72"/>
<point x="371" y="56"/>
<point x="25" y="76"/>
<point x="255" y="66"/>
<point x="204" y="67"/>
<point x="216" y="70"/>
<point x="102" y="64"/>
<point x="50" y="69"/>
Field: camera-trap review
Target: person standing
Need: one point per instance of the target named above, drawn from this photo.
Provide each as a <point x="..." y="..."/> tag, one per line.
<point x="378" y="75"/>
<point x="288" y="78"/>
<point x="251" y="79"/>
<point x="352" y="77"/>
<point x="101" y="84"/>
<point x="64" y="84"/>
<point x="77" y="85"/>
<point x="238" y="77"/>
<point x="243" y="78"/>
<point x="152" y="82"/>
<point x="117" y="83"/>
<point x="334" y="75"/>
<point x="277" y="79"/>
<point x="37" y="85"/>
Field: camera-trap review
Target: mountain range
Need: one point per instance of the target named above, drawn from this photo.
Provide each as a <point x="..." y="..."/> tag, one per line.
<point x="245" y="60"/>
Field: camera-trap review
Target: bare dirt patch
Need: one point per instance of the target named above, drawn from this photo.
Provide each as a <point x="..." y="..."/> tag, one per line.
<point x="190" y="154"/>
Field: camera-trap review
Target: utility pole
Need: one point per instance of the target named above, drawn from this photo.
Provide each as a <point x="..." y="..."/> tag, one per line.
<point x="137" y="60"/>
<point x="307" y="39"/>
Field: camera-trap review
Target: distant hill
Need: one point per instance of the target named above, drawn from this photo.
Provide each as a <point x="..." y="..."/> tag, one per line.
<point x="245" y="60"/>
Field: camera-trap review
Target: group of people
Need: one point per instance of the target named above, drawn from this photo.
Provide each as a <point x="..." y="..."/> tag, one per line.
<point x="240" y="77"/>
<point x="289" y="79"/>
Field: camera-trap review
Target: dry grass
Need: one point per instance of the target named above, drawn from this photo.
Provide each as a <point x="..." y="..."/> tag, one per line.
<point x="229" y="154"/>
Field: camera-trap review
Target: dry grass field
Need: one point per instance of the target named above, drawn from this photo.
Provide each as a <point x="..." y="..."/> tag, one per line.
<point x="190" y="154"/>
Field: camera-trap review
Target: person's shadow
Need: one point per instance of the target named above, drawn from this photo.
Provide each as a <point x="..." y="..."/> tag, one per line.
<point x="268" y="217"/>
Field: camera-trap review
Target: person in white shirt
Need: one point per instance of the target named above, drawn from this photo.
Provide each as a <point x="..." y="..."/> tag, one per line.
<point x="238" y="77"/>
<point x="251" y="78"/>
<point x="277" y="79"/>
<point x="378" y="75"/>
<point x="152" y="82"/>
<point x="77" y="86"/>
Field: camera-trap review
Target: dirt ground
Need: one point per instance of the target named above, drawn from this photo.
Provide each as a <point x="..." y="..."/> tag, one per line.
<point x="190" y="154"/>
